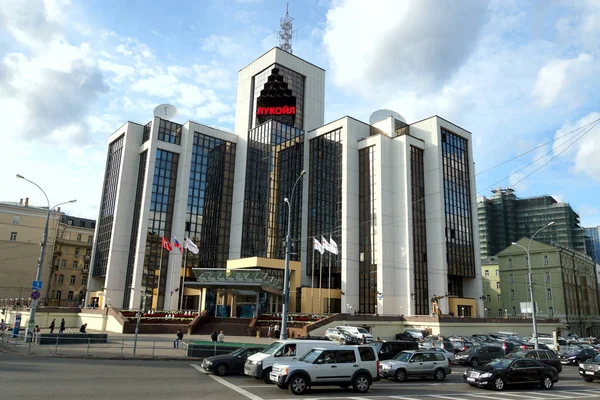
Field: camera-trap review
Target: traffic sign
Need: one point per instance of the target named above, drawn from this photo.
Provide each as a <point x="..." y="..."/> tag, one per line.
<point x="35" y="295"/>
<point x="36" y="285"/>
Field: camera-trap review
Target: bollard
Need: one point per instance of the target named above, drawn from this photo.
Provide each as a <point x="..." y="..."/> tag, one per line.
<point x="122" y="345"/>
<point x="88" y="346"/>
<point x="56" y="349"/>
<point x="153" y="347"/>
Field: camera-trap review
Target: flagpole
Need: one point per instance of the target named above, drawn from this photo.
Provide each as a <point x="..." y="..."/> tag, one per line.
<point x="183" y="278"/>
<point x="321" y="286"/>
<point x="312" y="285"/>
<point x="329" y="287"/>
<point x="162" y="248"/>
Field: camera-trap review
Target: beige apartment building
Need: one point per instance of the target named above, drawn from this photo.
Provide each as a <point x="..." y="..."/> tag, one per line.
<point x="21" y="233"/>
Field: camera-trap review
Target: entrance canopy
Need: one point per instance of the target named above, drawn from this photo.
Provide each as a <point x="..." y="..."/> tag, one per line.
<point x="239" y="279"/>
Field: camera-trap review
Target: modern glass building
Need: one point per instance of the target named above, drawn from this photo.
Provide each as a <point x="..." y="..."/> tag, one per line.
<point x="592" y="243"/>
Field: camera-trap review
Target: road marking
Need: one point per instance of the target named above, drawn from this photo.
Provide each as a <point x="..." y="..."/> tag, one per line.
<point x="439" y="396"/>
<point x="559" y="396"/>
<point x="482" y="396"/>
<point x="579" y="394"/>
<point x="402" y="397"/>
<point x="230" y="385"/>
<point x="526" y="395"/>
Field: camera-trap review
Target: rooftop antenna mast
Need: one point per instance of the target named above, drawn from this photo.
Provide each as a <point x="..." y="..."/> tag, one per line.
<point x="286" y="33"/>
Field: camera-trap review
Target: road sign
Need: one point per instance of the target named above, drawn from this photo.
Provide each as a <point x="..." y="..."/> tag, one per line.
<point x="35" y="295"/>
<point x="36" y="285"/>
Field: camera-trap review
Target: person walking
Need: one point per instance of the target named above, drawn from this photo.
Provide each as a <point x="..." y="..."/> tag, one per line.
<point x="214" y="336"/>
<point x="82" y="329"/>
<point x="276" y="331"/>
<point x="178" y="339"/>
<point x="62" y="326"/>
<point x="52" y="325"/>
<point x="2" y="327"/>
<point x="221" y="337"/>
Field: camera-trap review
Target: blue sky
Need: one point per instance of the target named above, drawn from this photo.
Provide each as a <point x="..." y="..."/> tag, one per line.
<point x="518" y="75"/>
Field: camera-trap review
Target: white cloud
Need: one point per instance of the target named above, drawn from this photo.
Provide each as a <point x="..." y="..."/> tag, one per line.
<point x="120" y="72"/>
<point x="223" y="45"/>
<point x="583" y="154"/>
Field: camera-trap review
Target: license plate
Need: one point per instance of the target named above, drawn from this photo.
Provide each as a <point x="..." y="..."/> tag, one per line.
<point x="470" y="379"/>
<point x="589" y="372"/>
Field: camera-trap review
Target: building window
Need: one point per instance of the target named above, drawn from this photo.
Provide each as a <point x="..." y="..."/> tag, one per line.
<point x="13" y="236"/>
<point x="90" y="238"/>
<point x="499" y="297"/>
<point x="512" y="294"/>
<point x="169" y="132"/>
<point x="487" y="285"/>
<point x="514" y="311"/>
<point x="70" y="296"/>
<point x="487" y="272"/>
<point x="74" y="264"/>
<point x="17" y="220"/>
<point x="367" y="267"/>
<point x="63" y="263"/>
<point x="547" y="277"/>
<point x="86" y="266"/>
<point x="509" y="262"/>
<point x="70" y="222"/>
<point x="88" y="252"/>
<point x="511" y="278"/>
<point x="497" y="285"/>
<point x="488" y="298"/>
<point x="526" y="259"/>
<point x="84" y="280"/>
<point x="61" y="279"/>
<point x="79" y="237"/>
<point x="550" y="311"/>
<point x="500" y="312"/>
<point x="72" y="282"/>
<point x="76" y="251"/>
<point x="548" y="293"/>
<point x="546" y="259"/>
<point x="497" y="272"/>
<point x="58" y="294"/>
<point x="489" y="312"/>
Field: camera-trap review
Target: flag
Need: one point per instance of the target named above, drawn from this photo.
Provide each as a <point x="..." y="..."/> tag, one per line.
<point x="325" y="244"/>
<point x="332" y="246"/>
<point x="177" y="245"/>
<point x="191" y="246"/>
<point x="166" y="244"/>
<point x="317" y="245"/>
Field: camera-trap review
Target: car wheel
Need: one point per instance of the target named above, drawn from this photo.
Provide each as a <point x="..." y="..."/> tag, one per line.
<point x="498" y="384"/>
<point x="588" y="379"/>
<point x="439" y="375"/>
<point x="474" y="362"/>
<point x="298" y="385"/>
<point x="400" y="375"/>
<point x="221" y="369"/>
<point x="361" y="383"/>
<point x="265" y="376"/>
<point x="342" y="341"/>
<point x="547" y="382"/>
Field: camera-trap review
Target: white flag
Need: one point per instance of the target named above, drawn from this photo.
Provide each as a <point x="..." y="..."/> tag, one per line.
<point x="332" y="246"/>
<point x="191" y="246"/>
<point x="325" y="244"/>
<point x="317" y="245"/>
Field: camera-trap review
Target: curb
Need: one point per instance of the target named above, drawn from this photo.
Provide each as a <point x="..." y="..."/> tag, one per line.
<point x="92" y="357"/>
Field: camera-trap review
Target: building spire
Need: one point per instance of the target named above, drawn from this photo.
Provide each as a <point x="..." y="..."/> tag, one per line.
<point x="286" y="33"/>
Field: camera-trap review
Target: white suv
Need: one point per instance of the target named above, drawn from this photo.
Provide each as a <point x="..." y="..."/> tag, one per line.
<point x="346" y="366"/>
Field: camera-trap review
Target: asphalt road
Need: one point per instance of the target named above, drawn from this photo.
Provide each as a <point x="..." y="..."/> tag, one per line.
<point x="50" y="378"/>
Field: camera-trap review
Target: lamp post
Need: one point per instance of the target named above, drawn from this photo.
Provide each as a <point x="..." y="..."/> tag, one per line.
<point x="533" y="319"/>
<point x="286" y="274"/>
<point x="38" y="275"/>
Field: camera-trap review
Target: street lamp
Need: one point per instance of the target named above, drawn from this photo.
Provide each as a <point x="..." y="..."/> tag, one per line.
<point x="533" y="320"/>
<point x="38" y="275"/>
<point x="286" y="274"/>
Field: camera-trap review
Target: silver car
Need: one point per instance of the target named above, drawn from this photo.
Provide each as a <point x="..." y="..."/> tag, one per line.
<point x="416" y="363"/>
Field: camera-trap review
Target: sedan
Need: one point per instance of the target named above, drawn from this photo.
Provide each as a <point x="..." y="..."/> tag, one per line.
<point x="544" y="356"/>
<point x="590" y="369"/>
<point x="231" y="363"/>
<point x="504" y="372"/>
<point x="576" y="356"/>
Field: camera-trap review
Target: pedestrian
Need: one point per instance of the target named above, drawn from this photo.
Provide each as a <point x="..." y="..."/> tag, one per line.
<point x="276" y="331"/>
<point x="364" y="340"/>
<point x="52" y="325"/>
<point x="221" y="337"/>
<point x="2" y="327"/>
<point x="82" y="329"/>
<point x="62" y="326"/>
<point x="36" y="332"/>
<point x="214" y="336"/>
<point x="178" y="339"/>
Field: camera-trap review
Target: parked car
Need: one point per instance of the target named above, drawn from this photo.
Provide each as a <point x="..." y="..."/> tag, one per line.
<point x="388" y="349"/>
<point x="357" y="332"/>
<point x="442" y="344"/>
<point x="504" y="372"/>
<point x="355" y="366"/>
<point x="461" y="345"/>
<point x="418" y="334"/>
<point x="449" y="354"/>
<point x="232" y="363"/>
<point x="547" y="357"/>
<point x="476" y="356"/>
<point x="590" y="369"/>
<point x="416" y="363"/>
<point x="341" y="336"/>
<point x="405" y="336"/>
<point x="576" y="356"/>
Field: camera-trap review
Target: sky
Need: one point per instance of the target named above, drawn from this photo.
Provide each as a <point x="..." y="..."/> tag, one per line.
<point x="521" y="76"/>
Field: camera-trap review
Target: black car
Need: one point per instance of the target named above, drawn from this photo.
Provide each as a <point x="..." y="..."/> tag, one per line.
<point x="476" y="356"/>
<point x="590" y="369"/>
<point x="231" y="363"/>
<point x="405" y="336"/>
<point x="576" y="356"/>
<point x="544" y="356"/>
<point x="388" y="349"/>
<point x="461" y="345"/>
<point x="504" y="372"/>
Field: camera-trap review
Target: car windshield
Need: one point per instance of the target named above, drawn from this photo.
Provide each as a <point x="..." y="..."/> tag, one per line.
<point x="311" y="356"/>
<point x="237" y="352"/>
<point x="403" y="356"/>
<point x="500" y="363"/>
<point x="597" y="358"/>
<point x="517" y="354"/>
<point x="272" y="348"/>
<point x="363" y="330"/>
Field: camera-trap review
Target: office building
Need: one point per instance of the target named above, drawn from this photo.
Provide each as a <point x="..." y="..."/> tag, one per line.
<point x="504" y="218"/>
<point x="492" y="291"/>
<point x="592" y="242"/>
<point x="397" y="199"/>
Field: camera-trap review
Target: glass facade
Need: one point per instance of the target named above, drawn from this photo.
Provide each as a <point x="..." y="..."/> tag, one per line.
<point x="159" y="223"/>
<point x="457" y="201"/>
<point x="367" y="266"/>
<point x="107" y="206"/>
<point x="279" y="84"/>
<point x="274" y="163"/>
<point x="169" y="132"/>
<point x="147" y="130"/>
<point x="325" y="204"/>
<point x="210" y="192"/>
<point x="417" y="181"/>
<point x="135" y="227"/>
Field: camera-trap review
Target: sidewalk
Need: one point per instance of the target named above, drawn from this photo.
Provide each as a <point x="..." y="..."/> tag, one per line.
<point x="119" y="346"/>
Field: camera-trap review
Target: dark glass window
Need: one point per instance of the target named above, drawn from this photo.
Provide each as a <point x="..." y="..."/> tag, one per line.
<point x="135" y="227"/>
<point x="209" y="201"/>
<point x="417" y="179"/>
<point x="147" y="129"/>
<point x="457" y="201"/>
<point x="325" y="205"/>
<point x="107" y="206"/>
<point x="160" y="220"/>
<point x="169" y="132"/>
<point x="274" y="162"/>
<point x="367" y="263"/>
